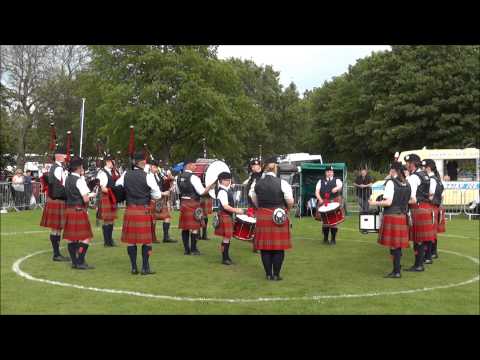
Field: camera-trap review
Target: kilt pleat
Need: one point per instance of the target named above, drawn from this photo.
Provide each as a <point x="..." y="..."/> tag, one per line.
<point x="268" y="235"/>
<point x="225" y="227"/>
<point x="107" y="208"/>
<point x="187" y="220"/>
<point x="423" y="227"/>
<point x="164" y="212"/>
<point x="77" y="224"/>
<point x="53" y="215"/>
<point x="138" y="226"/>
<point x="394" y="231"/>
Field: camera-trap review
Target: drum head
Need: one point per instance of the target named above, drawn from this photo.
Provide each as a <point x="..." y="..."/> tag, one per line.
<point x="247" y="219"/>
<point x="212" y="173"/>
<point x="330" y="207"/>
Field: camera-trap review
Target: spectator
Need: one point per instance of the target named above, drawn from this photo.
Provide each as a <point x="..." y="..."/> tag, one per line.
<point x="18" y="189"/>
<point x="452" y="170"/>
<point x="363" y="183"/>
<point x="446" y="178"/>
<point x="27" y="180"/>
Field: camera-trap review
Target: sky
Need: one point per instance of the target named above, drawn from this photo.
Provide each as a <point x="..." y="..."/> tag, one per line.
<point x="308" y="66"/>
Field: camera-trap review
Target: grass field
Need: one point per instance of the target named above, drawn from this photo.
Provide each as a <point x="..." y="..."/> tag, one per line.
<point x="341" y="276"/>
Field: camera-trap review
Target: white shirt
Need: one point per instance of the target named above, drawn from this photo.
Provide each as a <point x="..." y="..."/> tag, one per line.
<point x="103" y="177"/>
<point x="389" y="190"/>
<point x="155" y="192"/>
<point x="286" y="189"/>
<point x="414" y="182"/>
<point x="338" y="183"/>
<point x="223" y="196"/>
<point x="82" y="185"/>
<point x="433" y="184"/>
<point x="196" y="182"/>
<point x="60" y="173"/>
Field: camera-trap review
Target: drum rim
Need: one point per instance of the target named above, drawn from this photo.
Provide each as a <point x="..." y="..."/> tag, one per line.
<point x="334" y="204"/>
<point x="241" y="216"/>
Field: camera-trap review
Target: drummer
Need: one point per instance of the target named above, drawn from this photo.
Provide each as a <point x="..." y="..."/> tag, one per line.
<point x="394" y="229"/>
<point x="225" y="211"/>
<point x="255" y="167"/>
<point x="329" y="190"/>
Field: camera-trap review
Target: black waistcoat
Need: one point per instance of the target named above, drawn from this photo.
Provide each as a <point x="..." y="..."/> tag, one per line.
<point x="230" y="199"/>
<point x="401" y="196"/>
<point x="110" y="181"/>
<point x="55" y="188"/>
<point x="424" y="187"/>
<point x="136" y="187"/>
<point x="437" y="197"/>
<point x="73" y="194"/>
<point x="185" y="186"/>
<point x="269" y="192"/>
<point x="327" y="186"/>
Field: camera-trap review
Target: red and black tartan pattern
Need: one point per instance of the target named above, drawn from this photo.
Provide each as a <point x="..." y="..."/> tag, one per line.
<point x="318" y="217"/>
<point x="53" y="215"/>
<point x="225" y="227"/>
<point x="268" y="235"/>
<point x="164" y="211"/>
<point x="394" y="231"/>
<point x="440" y="218"/>
<point x="77" y="224"/>
<point x="107" y="208"/>
<point x="187" y="221"/>
<point x="138" y="226"/>
<point x="423" y="227"/>
<point x="207" y="203"/>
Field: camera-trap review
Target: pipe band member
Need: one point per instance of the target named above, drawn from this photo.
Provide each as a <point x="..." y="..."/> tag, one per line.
<point x="329" y="188"/>
<point x="53" y="215"/>
<point x="436" y="196"/>
<point x="77" y="231"/>
<point x="422" y="225"/>
<point x="190" y="188"/>
<point x="255" y="169"/>
<point x="270" y="193"/>
<point x="107" y="208"/>
<point x="226" y="210"/>
<point x="164" y="183"/>
<point x="394" y="229"/>
<point x="138" y="228"/>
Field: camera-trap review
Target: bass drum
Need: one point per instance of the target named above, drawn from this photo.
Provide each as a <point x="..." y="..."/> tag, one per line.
<point x="211" y="175"/>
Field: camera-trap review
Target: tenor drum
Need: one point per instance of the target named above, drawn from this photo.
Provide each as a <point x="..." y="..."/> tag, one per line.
<point x="331" y="214"/>
<point x="211" y="174"/>
<point x="244" y="227"/>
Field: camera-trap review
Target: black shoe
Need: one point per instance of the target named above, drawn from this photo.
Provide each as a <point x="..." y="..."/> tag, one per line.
<point x="227" y="262"/>
<point x="169" y="241"/>
<point x="61" y="258"/>
<point x="428" y="261"/>
<point x="277" y="278"/>
<point x="393" y="275"/>
<point x="85" y="266"/>
<point x="74" y="266"/>
<point x="134" y="272"/>
<point x="196" y="252"/>
<point x="416" y="269"/>
<point x="187" y="252"/>
<point x="269" y="277"/>
<point x="147" y="272"/>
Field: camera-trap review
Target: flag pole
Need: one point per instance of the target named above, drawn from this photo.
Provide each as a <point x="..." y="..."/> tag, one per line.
<point x="82" y="116"/>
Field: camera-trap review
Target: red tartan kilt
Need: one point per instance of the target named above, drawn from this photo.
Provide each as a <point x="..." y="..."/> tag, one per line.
<point x="423" y="229"/>
<point x="53" y="215"/>
<point x="187" y="221"/>
<point x="77" y="223"/>
<point x="107" y="212"/>
<point x="268" y="235"/>
<point x="164" y="212"/>
<point x="138" y="225"/>
<point x="394" y="231"/>
<point x="207" y="204"/>
<point x="440" y="221"/>
<point x="225" y="227"/>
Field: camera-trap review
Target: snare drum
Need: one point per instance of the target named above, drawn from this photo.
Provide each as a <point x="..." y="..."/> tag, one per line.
<point x="331" y="214"/>
<point x="244" y="227"/>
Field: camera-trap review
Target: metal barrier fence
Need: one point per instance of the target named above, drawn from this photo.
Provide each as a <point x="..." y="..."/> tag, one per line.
<point x="21" y="197"/>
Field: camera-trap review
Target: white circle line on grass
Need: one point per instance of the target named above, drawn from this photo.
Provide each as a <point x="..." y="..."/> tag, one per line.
<point x="16" y="268"/>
